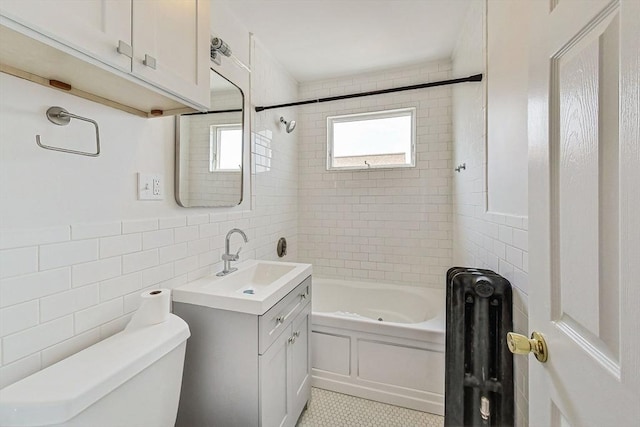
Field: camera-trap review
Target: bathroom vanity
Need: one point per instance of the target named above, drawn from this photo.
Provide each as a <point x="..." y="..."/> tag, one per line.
<point x="248" y="361"/>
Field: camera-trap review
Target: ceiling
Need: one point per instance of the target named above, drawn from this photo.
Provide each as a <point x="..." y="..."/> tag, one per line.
<point x="319" y="39"/>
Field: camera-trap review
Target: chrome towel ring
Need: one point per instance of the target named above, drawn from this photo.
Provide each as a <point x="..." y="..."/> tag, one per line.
<point x="61" y="117"/>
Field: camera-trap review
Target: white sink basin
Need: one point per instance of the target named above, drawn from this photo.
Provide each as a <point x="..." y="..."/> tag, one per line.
<point x="256" y="278"/>
<point x="254" y="288"/>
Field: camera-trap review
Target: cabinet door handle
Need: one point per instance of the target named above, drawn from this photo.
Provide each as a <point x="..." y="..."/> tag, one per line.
<point x="149" y="61"/>
<point x="125" y="49"/>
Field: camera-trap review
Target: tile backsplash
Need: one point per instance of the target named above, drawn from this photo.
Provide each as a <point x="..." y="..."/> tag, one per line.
<point x="79" y="284"/>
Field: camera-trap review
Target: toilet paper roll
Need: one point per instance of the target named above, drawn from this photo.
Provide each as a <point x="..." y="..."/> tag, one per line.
<point x="154" y="308"/>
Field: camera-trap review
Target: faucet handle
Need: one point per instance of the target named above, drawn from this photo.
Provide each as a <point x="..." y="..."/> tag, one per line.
<point x="238" y="253"/>
<point x="229" y="257"/>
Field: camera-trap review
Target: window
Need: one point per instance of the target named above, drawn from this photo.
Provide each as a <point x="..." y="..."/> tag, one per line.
<point x="382" y="139"/>
<point x="225" y="153"/>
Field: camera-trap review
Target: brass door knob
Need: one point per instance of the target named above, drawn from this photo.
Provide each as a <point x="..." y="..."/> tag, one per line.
<point x="519" y="344"/>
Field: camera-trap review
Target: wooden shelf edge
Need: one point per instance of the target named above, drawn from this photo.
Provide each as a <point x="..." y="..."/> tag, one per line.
<point x="73" y="91"/>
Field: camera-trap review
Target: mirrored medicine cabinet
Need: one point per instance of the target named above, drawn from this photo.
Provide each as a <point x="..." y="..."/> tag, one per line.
<point x="209" y="149"/>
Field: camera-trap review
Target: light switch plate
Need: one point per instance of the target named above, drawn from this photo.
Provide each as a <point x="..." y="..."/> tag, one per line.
<point x="150" y="186"/>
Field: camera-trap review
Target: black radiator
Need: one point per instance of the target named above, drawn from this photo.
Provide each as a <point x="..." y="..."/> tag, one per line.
<point x="479" y="366"/>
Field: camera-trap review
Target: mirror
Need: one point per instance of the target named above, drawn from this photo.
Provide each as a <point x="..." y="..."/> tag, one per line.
<point x="209" y="149"/>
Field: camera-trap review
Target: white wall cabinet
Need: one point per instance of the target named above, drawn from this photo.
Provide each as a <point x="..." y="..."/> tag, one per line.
<point x="103" y="47"/>
<point x="167" y="36"/>
<point x="246" y="370"/>
<point x="93" y="27"/>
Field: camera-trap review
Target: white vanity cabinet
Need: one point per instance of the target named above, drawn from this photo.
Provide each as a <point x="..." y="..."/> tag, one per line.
<point x="285" y="374"/>
<point x="244" y="369"/>
<point x="143" y="54"/>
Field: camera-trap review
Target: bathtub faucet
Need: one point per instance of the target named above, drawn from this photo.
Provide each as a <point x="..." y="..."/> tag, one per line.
<point x="228" y="257"/>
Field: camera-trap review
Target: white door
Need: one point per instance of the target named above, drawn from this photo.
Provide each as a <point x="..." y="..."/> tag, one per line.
<point x="95" y="27"/>
<point x="584" y="201"/>
<point x="171" y="46"/>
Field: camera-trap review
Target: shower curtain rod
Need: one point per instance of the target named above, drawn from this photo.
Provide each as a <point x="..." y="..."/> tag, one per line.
<point x="474" y="78"/>
<point x="238" y="110"/>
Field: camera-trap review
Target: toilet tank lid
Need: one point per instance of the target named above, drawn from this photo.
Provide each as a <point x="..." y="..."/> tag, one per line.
<point x="63" y="390"/>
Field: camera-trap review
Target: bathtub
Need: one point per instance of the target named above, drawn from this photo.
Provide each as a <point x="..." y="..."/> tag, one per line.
<point x="380" y="342"/>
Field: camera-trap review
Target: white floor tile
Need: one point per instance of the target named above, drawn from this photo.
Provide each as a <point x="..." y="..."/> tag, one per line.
<point x="329" y="409"/>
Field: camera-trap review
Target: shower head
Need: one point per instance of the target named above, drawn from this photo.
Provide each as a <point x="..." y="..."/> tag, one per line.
<point x="291" y="125"/>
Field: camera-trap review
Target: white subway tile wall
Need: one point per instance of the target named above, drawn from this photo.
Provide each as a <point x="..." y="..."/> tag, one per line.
<point x="88" y="231"/>
<point x="60" y="311"/>
<point x="139" y="225"/>
<point x="18" y="317"/>
<point x="68" y="302"/>
<point x="16" y="262"/>
<point x="33" y="286"/>
<point x="391" y="225"/>
<point x="65" y="288"/>
<point x="482" y="239"/>
<point x="68" y="253"/>
<point x="22" y="238"/>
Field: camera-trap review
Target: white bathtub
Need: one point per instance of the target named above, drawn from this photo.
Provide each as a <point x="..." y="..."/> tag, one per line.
<point x="380" y="342"/>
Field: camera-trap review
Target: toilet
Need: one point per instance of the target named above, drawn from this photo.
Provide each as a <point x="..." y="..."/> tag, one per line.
<point x="132" y="378"/>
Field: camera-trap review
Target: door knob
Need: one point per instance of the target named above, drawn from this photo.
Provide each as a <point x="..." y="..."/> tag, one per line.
<point x="519" y="344"/>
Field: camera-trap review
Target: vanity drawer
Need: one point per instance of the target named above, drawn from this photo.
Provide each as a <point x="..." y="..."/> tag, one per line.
<point x="280" y="316"/>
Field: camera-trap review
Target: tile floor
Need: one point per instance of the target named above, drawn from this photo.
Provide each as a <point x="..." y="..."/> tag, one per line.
<point x="329" y="409"/>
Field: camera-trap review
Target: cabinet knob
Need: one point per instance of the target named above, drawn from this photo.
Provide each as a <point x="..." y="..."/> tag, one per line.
<point x="279" y="319"/>
<point x="292" y="340"/>
<point x="296" y="334"/>
<point x="125" y="49"/>
<point x="303" y="296"/>
<point x="149" y="61"/>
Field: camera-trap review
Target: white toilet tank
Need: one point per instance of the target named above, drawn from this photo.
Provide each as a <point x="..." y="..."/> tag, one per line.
<point x="131" y="379"/>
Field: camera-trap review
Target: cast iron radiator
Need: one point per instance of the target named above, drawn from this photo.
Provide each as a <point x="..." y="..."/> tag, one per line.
<point x="479" y="366"/>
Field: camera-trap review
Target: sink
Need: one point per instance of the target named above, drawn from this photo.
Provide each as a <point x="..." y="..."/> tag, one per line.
<point x="257" y="277"/>
<point x="254" y="288"/>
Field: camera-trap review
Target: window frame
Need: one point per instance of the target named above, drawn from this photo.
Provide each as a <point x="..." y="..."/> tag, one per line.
<point x="379" y="114"/>
<point x="214" y="145"/>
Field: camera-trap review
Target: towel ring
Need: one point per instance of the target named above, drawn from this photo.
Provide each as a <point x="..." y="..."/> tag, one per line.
<point x="61" y="117"/>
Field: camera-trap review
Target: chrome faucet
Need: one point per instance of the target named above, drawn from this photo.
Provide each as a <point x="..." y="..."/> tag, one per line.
<point x="228" y="257"/>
